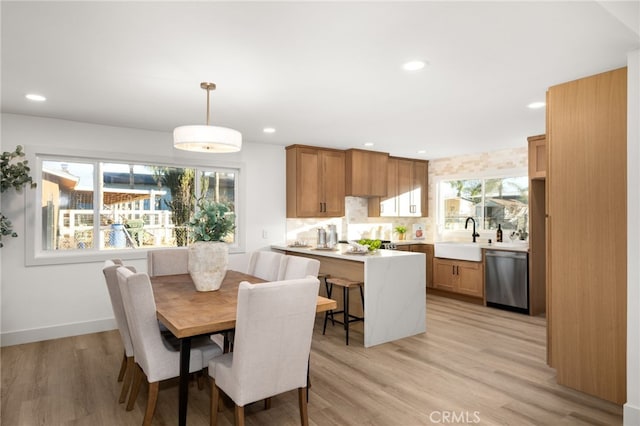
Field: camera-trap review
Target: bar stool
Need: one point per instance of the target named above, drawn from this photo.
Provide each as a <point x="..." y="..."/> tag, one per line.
<point x="346" y="285"/>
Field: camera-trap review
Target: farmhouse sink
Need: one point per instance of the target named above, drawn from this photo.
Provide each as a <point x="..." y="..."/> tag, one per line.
<point x="460" y="251"/>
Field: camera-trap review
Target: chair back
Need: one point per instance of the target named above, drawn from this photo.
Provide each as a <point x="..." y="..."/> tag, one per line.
<point x="171" y="261"/>
<point x="156" y="360"/>
<point x="240" y="262"/>
<point x="299" y="267"/>
<point x="274" y="326"/>
<point x="267" y="265"/>
<point x="109" y="270"/>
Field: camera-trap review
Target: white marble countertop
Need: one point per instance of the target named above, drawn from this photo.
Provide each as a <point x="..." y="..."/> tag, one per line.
<point x="342" y="253"/>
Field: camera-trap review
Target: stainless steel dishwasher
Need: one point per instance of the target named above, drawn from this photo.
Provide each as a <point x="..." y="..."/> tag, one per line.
<point x="507" y="280"/>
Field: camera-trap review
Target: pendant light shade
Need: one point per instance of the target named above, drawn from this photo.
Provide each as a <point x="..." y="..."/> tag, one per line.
<point x="206" y="138"/>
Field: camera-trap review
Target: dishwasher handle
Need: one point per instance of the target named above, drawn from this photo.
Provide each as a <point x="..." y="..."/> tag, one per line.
<point x="511" y="255"/>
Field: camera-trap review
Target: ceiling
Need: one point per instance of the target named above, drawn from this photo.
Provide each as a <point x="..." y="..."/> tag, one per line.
<point x="320" y="73"/>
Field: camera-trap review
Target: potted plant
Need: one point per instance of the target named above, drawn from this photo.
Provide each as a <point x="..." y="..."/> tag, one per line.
<point x="14" y="174"/>
<point x="208" y="253"/>
<point x="401" y="230"/>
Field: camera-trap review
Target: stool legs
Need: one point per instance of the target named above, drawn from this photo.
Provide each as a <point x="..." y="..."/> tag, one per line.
<point x="345" y="298"/>
<point x="329" y="288"/>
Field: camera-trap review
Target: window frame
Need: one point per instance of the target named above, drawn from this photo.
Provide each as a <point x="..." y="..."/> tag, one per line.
<point x="443" y="234"/>
<point x="35" y="255"/>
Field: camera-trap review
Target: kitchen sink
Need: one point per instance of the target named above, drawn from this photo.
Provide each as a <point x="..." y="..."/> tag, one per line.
<point x="460" y="251"/>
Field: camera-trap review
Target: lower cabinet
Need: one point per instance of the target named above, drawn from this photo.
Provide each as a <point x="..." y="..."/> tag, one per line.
<point x="458" y="276"/>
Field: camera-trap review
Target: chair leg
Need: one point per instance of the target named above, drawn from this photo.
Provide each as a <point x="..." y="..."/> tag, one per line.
<point x="215" y="400"/>
<point x="137" y="381"/>
<point x="239" y="415"/>
<point x="151" y="403"/>
<point x="128" y="378"/>
<point x="329" y="288"/>
<point x="302" y="402"/>
<point x="123" y="367"/>
<point x="267" y="403"/>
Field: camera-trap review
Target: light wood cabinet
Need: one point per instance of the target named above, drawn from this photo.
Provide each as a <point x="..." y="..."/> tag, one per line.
<point x="366" y="173"/>
<point x="537" y="157"/>
<point x="315" y="182"/>
<point x="537" y="214"/>
<point x="407" y="190"/>
<point x="459" y="276"/>
<point x="586" y="273"/>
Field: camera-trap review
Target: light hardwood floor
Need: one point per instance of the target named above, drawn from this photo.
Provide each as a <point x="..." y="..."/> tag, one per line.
<point x="474" y="364"/>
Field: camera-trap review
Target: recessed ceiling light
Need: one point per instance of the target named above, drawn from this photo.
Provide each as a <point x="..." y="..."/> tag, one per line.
<point x="413" y="65"/>
<point x="368" y="144"/>
<point x="269" y="130"/>
<point x="536" y="105"/>
<point x="35" y="97"/>
<point x="422" y="151"/>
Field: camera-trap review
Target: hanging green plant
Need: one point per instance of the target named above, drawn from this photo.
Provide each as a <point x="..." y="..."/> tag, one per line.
<point x="15" y="174"/>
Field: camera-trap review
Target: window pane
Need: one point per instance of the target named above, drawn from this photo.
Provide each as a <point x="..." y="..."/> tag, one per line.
<point x="462" y="199"/>
<point x="67" y="205"/>
<point x="220" y="186"/>
<point x="140" y="205"/>
<point x="506" y="203"/>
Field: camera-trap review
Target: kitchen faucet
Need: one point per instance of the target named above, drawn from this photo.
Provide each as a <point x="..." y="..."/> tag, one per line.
<point x="475" y="234"/>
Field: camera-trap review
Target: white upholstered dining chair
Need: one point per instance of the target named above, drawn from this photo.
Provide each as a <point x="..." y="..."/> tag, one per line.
<point x="299" y="267"/>
<point x="153" y="357"/>
<point x="127" y="367"/>
<point x="274" y="326"/>
<point x="169" y="261"/>
<point x="267" y="264"/>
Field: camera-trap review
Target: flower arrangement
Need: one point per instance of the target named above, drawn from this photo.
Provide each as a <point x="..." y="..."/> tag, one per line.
<point x="212" y="221"/>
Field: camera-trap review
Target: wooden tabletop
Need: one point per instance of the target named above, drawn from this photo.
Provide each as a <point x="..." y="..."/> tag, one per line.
<point x="187" y="312"/>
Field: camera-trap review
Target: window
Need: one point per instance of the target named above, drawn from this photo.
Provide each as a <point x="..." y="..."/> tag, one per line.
<point x="92" y="205"/>
<point x="490" y="201"/>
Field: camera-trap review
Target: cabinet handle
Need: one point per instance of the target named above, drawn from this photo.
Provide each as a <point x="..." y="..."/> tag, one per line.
<point x="453" y="269"/>
<point x="325" y="207"/>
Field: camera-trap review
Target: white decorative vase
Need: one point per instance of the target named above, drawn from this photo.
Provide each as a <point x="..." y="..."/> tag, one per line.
<point x="208" y="263"/>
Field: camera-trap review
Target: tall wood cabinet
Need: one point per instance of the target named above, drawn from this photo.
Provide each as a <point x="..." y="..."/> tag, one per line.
<point x="537" y="218"/>
<point x="587" y="238"/>
<point x="315" y="182"/>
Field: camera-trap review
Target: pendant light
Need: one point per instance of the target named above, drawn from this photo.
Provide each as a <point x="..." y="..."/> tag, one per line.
<point x="207" y="138"/>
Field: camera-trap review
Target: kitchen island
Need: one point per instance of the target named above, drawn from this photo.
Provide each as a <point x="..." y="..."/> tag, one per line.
<point x="394" y="288"/>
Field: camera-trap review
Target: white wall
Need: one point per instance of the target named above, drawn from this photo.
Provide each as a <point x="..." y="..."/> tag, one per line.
<point x="45" y="302"/>
<point x="632" y="407"/>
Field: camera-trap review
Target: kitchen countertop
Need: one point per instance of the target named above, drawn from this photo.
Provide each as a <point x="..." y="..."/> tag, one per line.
<point x="341" y="252"/>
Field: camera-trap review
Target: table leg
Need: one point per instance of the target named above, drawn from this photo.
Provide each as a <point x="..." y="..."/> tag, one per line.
<point x="185" y="354"/>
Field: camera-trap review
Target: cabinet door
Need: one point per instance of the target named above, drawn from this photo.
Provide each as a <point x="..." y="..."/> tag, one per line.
<point x="418" y="205"/>
<point x="405" y="187"/>
<point x="537" y="157"/>
<point x="308" y="193"/>
<point x="470" y="278"/>
<point x="366" y="173"/>
<point x="389" y="203"/>
<point x="332" y="180"/>
<point x="443" y="274"/>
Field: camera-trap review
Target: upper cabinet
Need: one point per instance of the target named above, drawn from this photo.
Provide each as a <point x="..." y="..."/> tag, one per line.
<point x="407" y="183"/>
<point x="537" y="157"/>
<point x="315" y="182"/>
<point x="366" y="173"/>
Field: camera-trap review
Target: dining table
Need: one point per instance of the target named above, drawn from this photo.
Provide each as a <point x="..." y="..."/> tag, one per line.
<point x="188" y="313"/>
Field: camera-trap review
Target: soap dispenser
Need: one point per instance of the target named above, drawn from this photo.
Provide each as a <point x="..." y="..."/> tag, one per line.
<point x="499" y="234"/>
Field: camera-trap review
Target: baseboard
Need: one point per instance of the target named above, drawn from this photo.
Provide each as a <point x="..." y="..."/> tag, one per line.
<point x="55" y="332"/>
<point x="631" y="416"/>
